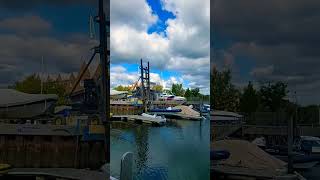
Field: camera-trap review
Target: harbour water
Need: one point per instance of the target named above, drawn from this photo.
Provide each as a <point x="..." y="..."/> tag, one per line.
<point x="178" y="150"/>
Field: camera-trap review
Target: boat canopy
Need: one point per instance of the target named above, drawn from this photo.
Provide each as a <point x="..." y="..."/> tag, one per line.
<point x="11" y="97"/>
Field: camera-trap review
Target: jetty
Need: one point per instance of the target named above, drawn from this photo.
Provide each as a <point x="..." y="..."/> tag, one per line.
<point x="186" y="113"/>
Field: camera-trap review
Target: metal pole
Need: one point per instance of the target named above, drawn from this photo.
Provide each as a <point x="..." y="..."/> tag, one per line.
<point x="142" y="87"/>
<point x="105" y="63"/>
<point x="290" y="142"/>
<point x="41" y="76"/>
<point x="149" y="94"/>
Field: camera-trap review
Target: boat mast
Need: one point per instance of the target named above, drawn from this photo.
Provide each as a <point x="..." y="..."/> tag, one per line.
<point x="41" y="76"/>
<point x="105" y="64"/>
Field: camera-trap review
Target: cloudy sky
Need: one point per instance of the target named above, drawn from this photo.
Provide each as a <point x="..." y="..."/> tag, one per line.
<point x="270" y="40"/>
<point x="165" y="32"/>
<point x="169" y="34"/>
<point x="57" y="30"/>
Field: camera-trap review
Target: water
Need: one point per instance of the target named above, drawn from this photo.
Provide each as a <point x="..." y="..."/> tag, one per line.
<point x="179" y="150"/>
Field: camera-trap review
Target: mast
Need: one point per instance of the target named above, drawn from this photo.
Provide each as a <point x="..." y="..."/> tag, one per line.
<point x="41" y="76"/>
<point x="143" y="94"/>
<point x="105" y="64"/>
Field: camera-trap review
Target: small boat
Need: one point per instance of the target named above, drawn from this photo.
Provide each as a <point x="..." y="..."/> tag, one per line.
<point x="169" y="110"/>
<point x="159" y="119"/>
<point x="15" y="104"/>
<point x="169" y="97"/>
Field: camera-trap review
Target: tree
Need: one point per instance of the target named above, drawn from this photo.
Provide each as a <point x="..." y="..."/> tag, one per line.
<point x="177" y="89"/>
<point x="195" y="92"/>
<point x="223" y="94"/>
<point x="272" y="95"/>
<point x="122" y="88"/>
<point x="187" y="94"/>
<point x="31" y="84"/>
<point x="249" y="100"/>
<point x="157" y="88"/>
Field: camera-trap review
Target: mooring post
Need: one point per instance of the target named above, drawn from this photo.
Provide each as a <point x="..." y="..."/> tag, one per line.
<point x="126" y="166"/>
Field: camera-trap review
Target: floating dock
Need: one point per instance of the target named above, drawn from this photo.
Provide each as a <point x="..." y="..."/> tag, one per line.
<point x="140" y="119"/>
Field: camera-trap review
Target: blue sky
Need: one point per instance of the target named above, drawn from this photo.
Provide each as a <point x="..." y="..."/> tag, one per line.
<point x="163" y="15"/>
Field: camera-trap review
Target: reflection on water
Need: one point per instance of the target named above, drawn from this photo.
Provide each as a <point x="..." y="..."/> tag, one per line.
<point x="179" y="150"/>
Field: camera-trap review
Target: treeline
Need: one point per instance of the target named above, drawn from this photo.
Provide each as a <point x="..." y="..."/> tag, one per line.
<point x="32" y="85"/>
<point x="189" y="93"/>
<point x="176" y="89"/>
<point x="260" y="100"/>
<point x="267" y="97"/>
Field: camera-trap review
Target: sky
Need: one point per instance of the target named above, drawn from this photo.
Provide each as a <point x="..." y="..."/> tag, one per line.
<point x="56" y="30"/>
<point x="269" y="41"/>
<point x="168" y="34"/>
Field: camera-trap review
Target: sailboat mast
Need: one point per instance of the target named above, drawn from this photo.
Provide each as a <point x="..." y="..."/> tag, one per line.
<point x="41" y="75"/>
<point x="105" y="63"/>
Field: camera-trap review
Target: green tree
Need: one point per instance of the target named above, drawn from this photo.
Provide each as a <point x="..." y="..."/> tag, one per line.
<point x="187" y="94"/>
<point x="177" y="89"/>
<point x="58" y="89"/>
<point x="249" y="100"/>
<point x="272" y="95"/>
<point x="122" y="88"/>
<point x="223" y="94"/>
<point x="157" y="88"/>
<point x="31" y="84"/>
<point x="195" y="92"/>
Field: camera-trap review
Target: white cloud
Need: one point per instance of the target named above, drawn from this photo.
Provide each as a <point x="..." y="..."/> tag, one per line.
<point x="185" y="49"/>
<point x="130" y="45"/>
<point x="120" y="76"/>
<point x="136" y="14"/>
